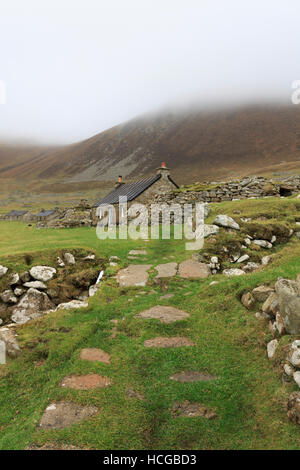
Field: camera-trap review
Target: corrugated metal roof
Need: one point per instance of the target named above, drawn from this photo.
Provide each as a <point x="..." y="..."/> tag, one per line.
<point x="15" y="213"/>
<point x="130" y="190"/>
<point x="45" y="213"/>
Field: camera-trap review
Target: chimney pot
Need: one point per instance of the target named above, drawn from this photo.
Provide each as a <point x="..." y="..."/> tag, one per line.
<point x="163" y="165"/>
<point x="120" y="179"/>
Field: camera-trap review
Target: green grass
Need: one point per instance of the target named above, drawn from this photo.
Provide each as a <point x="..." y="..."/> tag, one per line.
<point x="230" y="343"/>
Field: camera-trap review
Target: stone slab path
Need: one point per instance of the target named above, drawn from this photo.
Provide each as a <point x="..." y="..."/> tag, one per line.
<point x="164" y="314"/>
<point x="191" y="269"/>
<point x="137" y="253"/>
<point x="134" y="275"/>
<point x="192" y="410"/>
<point x="85" y="382"/>
<point x="172" y="342"/>
<point x="95" y="355"/>
<point x="63" y="414"/>
<point x="190" y="376"/>
<point x="166" y="270"/>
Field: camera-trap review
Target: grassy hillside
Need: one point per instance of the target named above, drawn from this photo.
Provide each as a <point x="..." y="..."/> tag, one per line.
<point x="197" y="145"/>
<point x="230" y="343"/>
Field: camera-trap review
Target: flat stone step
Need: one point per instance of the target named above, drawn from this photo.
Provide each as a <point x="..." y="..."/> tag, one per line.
<point x="137" y="252"/>
<point x="191" y="269"/>
<point x="85" y="382"/>
<point x="95" y="355"/>
<point x="134" y="275"/>
<point x="189" y="376"/>
<point x="192" y="410"/>
<point x="164" y="314"/>
<point x="63" y="414"/>
<point x="166" y="270"/>
<point x="172" y="342"/>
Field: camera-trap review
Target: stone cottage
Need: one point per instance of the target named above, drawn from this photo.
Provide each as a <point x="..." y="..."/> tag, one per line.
<point x="143" y="192"/>
<point x="15" y="215"/>
<point x="46" y="215"/>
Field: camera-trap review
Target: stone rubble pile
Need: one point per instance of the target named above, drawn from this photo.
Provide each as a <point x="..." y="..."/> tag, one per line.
<point x="237" y="252"/>
<point x="44" y="289"/>
<point x="280" y="307"/>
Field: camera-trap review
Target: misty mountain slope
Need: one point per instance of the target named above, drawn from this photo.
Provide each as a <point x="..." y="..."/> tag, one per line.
<point x="195" y="145"/>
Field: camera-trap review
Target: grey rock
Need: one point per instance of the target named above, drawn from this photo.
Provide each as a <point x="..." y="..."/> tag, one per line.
<point x="294" y="354"/>
<point x="25" y="276"/>
<point x="261" y="293"/>
<point x="114" y="258"/>
<point x="243" y="258"/>
<point x="262" y="316"/>
<point x="137" y="252"/>
<point x="250" y="267"/>
<point x="289" y="370"/>
<point x="90" y="258"/>
<point x="248" y="300"/>
<point x="263" y="243"/>
<point x="32" y="305"/>
<point x="271" y="305"/>
<point x="289" y="303"/>
<point x="60" y="262"/>
<point x="3" y="270"/>
<point x="19" y="291"/>
<point x="93" y="289"/>
<point x="226" y="221"/>
<point x="69" y="258"/>
<point x="42" y="273"/>
<point x="13" y="279"/>
<point x="233" y="272"/>
<point x="73" y="304"/>
<point x="210" y="230"/>
<point x="8" y="297"/>
<point x="296" y="376"/>
<point x="36" y="285"/>
<point x="9" y="337"/>
<point x="271" y="348"/>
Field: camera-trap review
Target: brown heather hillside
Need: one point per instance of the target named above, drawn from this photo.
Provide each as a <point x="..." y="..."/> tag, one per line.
<point x="196" y="145"/>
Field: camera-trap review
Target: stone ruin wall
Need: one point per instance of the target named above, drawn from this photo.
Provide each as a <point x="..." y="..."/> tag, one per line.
<point x="246" y="188"/>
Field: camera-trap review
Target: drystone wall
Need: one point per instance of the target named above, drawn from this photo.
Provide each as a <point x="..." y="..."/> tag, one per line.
<point x="251" y="187"/>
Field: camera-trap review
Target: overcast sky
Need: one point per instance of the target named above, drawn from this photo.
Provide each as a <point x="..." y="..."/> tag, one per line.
<point x="73" y="68"/>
